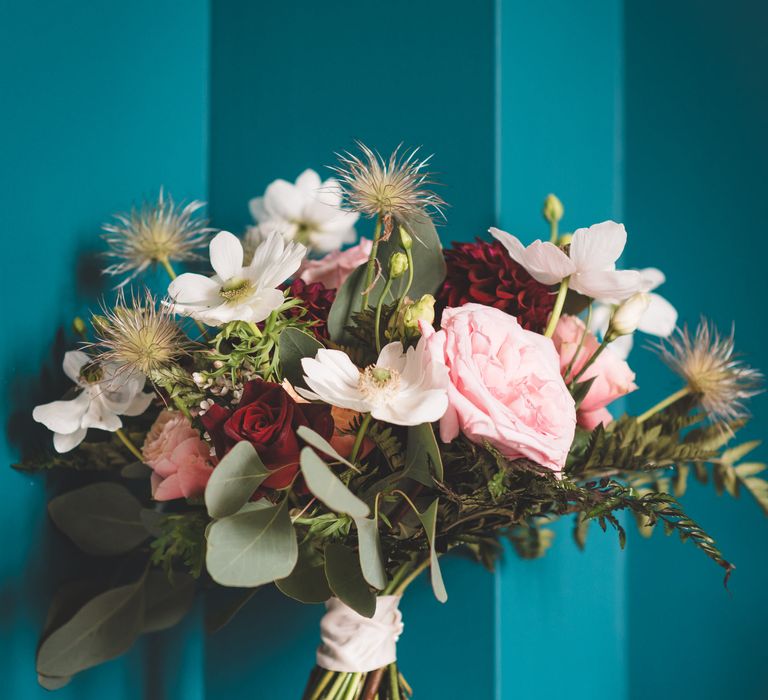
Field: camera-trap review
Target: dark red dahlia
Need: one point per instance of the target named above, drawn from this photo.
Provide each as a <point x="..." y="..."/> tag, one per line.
<point x="484" y="273"/>
<point x="316" y="301"/>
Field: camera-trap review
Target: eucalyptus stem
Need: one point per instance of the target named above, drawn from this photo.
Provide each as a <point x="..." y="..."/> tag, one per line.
<point x="408" y="580"/>
<point x="664" y="403"/>
<point x="558" y="308"/>
<point x="129" y="444"/>
<point x="324" y="681"/>
<point x="377" y="322"/>
<point x="340" y="678"/>
<point x="359" y="437"/>
<point x="371" y="266"/>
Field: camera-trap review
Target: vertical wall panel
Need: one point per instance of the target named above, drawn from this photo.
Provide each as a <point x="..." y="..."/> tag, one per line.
<point x="292" y="83"/>
<point x="696" y="168"/>
<point x="101" y="103"/>
<point x="561" y="618"/>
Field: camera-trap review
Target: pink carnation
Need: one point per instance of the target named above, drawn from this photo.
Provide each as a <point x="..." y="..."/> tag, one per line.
<point x="334" y="268"/>
<point x="613" y="377"/>
<point x="179" y="458"/>
<point x="506" y="387"/>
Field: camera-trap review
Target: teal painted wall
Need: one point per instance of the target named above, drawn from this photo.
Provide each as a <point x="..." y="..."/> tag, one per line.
<point x="561" y="620"/>
<point x="101" y="104"/>
<point x="696" y="155"/>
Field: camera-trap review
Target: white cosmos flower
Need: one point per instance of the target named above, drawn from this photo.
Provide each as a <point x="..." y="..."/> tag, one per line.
<point x="401" y="388"/>
<point x="590" y="263"/>
<point x="308" y="211"/>
<point x="659" y="319"/>
<point x="106" y="395"/>
<point x="235" y="292"/>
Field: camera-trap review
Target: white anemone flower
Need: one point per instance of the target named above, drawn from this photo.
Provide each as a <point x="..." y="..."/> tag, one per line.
<point x="590" y="263"/>
<point x="106" y="395"/>
<point x="659" y="319"/>
<point x="401" y="388"/>
<point x="308" y="211"/>
<point x="235" y="292"/>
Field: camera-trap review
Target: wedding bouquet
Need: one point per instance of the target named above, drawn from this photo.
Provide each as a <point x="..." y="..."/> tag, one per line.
<point x="335" y="419"/>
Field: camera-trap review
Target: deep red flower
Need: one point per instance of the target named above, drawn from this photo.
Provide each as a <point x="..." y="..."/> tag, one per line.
<point x="267" y="417"/>
<point x="316" y="300"/>
<point x="482" y="272"/>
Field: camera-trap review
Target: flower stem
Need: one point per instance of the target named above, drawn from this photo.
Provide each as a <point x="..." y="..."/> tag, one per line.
<point x="340" y="678"/>
<point x="553" y="232"/>
<point x="359" y="437"/>
<point x="591" y="360"/>
<point x="371" y="267"/>
<point x="129" y="444"/>
<point x="377" y="322"/>
<point x="569" y="368"/>
<point x="394" y="683"/>
<point x="558" y="308"/>
<point x="404" y="292"/>
<point x="664" y="403"/>
<point x="408" y="580"/>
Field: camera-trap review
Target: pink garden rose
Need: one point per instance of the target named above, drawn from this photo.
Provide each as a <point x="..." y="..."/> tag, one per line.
<point x="505" y="387"/>
<point x="334" y="268"/>
<point x="180" y="459"/>
<point x="613" y="377"/>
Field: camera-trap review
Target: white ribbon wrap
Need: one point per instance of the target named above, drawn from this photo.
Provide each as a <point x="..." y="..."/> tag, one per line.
<point x="351" y="643"/>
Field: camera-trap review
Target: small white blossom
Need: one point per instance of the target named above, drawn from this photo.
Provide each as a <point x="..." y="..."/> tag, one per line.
<point x="235" y="292"/>
<point x="401" y="388"/>
<point x="307" y="211"/>
<point x="106" y="395"/>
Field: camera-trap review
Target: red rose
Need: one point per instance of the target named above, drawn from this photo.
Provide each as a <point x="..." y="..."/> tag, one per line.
<point x="316" y="305"/>
<point x="267" y="417"/>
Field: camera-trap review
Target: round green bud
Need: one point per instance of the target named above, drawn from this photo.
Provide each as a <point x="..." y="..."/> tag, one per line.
<point x="422" y="310"/>
<point x="78" y="325"/>
<point x="553" y="209"/>
<point x="405" y="239"/>
<point x="398" y="265"/>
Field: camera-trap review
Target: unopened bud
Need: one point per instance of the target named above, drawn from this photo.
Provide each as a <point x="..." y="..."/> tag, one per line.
<point x="405" y="239"/>
<point x="553" y="209"/>
<point x="628" y="315"/>
<point x="78" y="325"/>
<point x="398" y="265"/>
<point x="100" y="323"/>
<point x="422" y="310"/>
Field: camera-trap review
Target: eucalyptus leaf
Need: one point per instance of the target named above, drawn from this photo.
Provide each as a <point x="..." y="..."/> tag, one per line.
<point x="234" y="480"/>
<point x="222" y="604"/>
<point x="321" y="444"/>
<point x="371" y="559"/>
<point x="293" y="346"/>
<point x="102" y="519"/>
<point x="53" y="682"/>
<point x="422" y="458"/>
<point x="252" y="548"/>
<point x="428" y="267"/>
<point x="345" y="578"/>
<point x="166" y="601"/>
<point x="328" y="488"/>
<point x="429" y="521"/>
<point x="307" y="582"/>
<point x="102" y="629"/>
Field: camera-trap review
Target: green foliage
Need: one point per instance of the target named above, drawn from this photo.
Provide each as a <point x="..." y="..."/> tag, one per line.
<point x="293" y="346"/>
<point x="530" y="541"/>
<point x="181" y="541"/>
<point x="328" y="488"/>
<point x="234" y="481"/>
<point x="345" y="579"/>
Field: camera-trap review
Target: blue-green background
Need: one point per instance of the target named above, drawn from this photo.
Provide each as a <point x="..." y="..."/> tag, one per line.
<point x="650" y="112"/>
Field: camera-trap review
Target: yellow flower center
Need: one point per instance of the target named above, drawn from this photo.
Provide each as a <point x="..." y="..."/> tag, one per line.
<point x="378" y="384"/>
<point x="235" y="289"/>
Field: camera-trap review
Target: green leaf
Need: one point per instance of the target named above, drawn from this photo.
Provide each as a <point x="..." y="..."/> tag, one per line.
<point x="293" y="346"/>
<point x="218" y="612"/>
<point x="371" y="560"/>
<point x="428" y="266"/>
<point x="422" y="458"/>
<point x="307" y="582"/>
<point x="757" y="486"/>
<point x="252" y="548"/>
<point x="328" y="488"/>
<point x="234" y="480"/>
<point x="102" y="518"/>
<point x="53" y="682"/>
<point x="345" y="578"/>
<point x="166" y="601"/>
<point x="102" y="629"/>
<point x="321" y="444"/>
<point x="429" y="522"/>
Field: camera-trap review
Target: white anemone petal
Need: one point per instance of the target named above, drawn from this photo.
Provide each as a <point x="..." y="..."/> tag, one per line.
<point x="226" y="252"/>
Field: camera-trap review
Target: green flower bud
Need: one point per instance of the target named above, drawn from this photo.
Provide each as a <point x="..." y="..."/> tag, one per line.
<point x="99" y="323"/>
<point x="422" y="310"/>
<point x="553" y="209"/>
<point x="405" y="239"/>
<point x="78" y="325"/>
<point x="398" y="265"/>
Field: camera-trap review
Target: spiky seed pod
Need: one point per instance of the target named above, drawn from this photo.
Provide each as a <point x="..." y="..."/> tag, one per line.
<point x="706" y="361"/>
<point x="395" y="188"/>
<point x="159" y="232"/>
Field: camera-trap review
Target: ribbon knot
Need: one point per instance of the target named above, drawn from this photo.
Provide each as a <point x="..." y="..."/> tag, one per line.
<point x="351" y="643"/>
